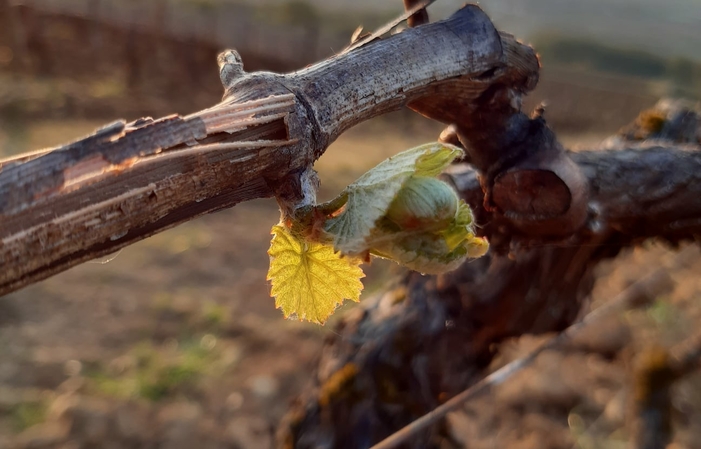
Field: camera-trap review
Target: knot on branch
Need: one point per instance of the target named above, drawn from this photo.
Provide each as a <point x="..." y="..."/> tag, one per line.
<point x="296" y="191"/>
<point x="230" y="67"/>
<point x="529" y="181"/>
<point x="674" y="120"/>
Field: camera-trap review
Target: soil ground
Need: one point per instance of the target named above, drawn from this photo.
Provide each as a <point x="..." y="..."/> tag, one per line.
<point x="174" y="342"/>
<point x="175" y="339"/>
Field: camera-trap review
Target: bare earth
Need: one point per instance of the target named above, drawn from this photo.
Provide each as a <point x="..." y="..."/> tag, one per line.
<point x="174" y="342"/>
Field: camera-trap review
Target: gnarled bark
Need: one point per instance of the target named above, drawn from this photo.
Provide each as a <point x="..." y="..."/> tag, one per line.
<point x="405" y="352"/>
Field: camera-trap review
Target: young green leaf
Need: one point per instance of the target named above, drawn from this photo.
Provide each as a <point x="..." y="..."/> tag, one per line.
<point x="369" y="198"/>
<point x="423" y="203"/>
<point x="431" y="250"/>
<point x="399" y="210"/>
<point x="310" y="279"/>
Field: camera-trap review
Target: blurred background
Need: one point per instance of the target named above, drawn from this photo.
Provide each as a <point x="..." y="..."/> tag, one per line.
<point x="174" y="342"/>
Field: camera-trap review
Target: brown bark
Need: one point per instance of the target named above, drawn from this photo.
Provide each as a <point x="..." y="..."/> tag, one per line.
<point x="127" y="182"/>
<point x="405" y="352"/>
<point x="418" y="18"/>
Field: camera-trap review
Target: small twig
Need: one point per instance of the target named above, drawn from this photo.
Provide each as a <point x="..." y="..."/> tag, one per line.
<point x="650" y="286"/>
<point x="419" y="18"/>
<point x="408" y="14"/>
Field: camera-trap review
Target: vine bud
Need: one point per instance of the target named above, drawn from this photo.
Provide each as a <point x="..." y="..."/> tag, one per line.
<point x="423" y="203"/>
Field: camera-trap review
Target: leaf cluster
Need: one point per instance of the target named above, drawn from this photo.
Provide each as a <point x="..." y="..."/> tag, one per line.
<point x="398" y="210"/>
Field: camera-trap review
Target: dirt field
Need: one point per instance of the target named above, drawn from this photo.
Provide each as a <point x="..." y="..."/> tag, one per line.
<point x="183" y="317"/>
<point x="175" y="343"/>
<point x="175" y="339"/>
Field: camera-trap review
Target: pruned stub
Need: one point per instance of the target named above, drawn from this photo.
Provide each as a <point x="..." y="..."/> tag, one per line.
<point x="531" y="186"/>
<point x="531" y="193"/>
<point x="544" y="195"/>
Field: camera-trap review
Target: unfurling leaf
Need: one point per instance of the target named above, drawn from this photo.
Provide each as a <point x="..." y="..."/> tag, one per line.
<point x="369" y="198"/>
<point x="310" y="279"/>
<point x="423" y="203"/>
<point x="399" y="210"/>
<point x="431" y="251"/>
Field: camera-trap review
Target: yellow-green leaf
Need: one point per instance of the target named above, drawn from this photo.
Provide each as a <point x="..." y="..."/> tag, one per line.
<point x="310" y="279"/>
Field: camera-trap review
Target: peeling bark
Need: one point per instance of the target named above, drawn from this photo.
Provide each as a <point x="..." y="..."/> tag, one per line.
<point x="61" y="207"/>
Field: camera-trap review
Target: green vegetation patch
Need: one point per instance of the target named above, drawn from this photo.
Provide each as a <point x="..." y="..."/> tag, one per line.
<point x="27" y="414"/>
<point x="684" y="74"/>
<point x="155" y="372"/>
